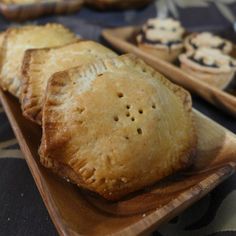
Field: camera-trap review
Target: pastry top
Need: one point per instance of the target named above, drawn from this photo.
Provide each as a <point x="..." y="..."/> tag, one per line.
<point x="206" y="39"/>
<point x="40" y="64"/>
<point x="102" y="131"/>
<point x="161" y="33"/>
<point x="18" y="40"/>
<point x="209" y="60"/>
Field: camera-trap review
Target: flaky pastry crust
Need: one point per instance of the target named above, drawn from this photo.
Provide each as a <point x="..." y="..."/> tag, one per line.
<point x="18" y="40"/>
<point x="40" y="64"/>
<point x="116" y="126"/>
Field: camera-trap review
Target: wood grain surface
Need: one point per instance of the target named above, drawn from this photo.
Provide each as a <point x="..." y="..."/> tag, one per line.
<point x="122" y="39"/>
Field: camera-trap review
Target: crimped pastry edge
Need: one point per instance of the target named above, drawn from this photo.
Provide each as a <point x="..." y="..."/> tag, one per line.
<point x="184" y="162"/>
<point x="30" y="109"/>
<point x="7" y="86"/>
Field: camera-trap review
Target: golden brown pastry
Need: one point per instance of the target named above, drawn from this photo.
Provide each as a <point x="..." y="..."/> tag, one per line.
<point x="116" y="126"/>
<point x="207" y="40"/>
<point x="162" y="38"/>
<point x="119" y="4"/>
<point x="2" y="36"/>
<point x="210" y="66"/>
<point x="18" y="40"/>
<point x="40" y="64"/>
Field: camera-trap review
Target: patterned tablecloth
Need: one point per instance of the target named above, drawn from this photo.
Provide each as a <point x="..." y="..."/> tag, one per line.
<point x="22" y="211"/>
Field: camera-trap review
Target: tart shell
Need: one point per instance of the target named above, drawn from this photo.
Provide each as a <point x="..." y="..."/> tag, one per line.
<point x="161" y="52"/>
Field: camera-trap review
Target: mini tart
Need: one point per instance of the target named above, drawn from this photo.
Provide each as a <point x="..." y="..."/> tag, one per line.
<point x="209" y="65"/>
<point x="208" y="40"/>
<point x="162" y="38"/>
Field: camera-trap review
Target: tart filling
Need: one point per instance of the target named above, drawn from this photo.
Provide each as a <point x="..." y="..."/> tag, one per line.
<point x="161" y="32"/>
<point x="208" y="59"/>
<point x="209" y="40"/>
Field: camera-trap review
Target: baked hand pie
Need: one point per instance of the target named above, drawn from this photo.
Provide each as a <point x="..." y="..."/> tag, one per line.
<point x="40" y="64"/>
<point x="116" y="126"/>
<point x="208" y="40"/>
<point x="162" y="38"/>
<point x="209" y="65"/>
<point x="18" y="40"/>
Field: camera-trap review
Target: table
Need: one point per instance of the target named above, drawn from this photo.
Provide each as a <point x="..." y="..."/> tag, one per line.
<point x="22" y="210"/>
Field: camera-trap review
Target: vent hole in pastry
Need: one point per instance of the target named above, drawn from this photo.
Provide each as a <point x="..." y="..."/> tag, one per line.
<point x="140" y="111"/>
<point x="132" y="118"/>
<point x="128" y="114"/>
<point x="80" y="110"/>
<point x="108" y="159"/>
<point x="128" y="106"/>
<point x="116" y="118"/>
<point x="120" y="95"/>
<point x="126" y="137"/>
<point x="144" y="70"/>
<point x="139" y="131"/>
<point x="102" y="180"/>
<point x="100" y="74"/>
<point x="154" y="106"/>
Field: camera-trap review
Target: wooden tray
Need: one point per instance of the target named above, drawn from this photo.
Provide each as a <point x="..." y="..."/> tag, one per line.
<point x="21" y="12"/>
<point x="75" y="212"/>
<point x="121" y="38"/>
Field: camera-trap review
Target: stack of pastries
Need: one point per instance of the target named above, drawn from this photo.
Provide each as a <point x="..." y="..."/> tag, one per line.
<point x="111" y="124"/>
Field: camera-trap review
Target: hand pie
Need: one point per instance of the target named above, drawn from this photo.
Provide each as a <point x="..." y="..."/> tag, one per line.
<point x="40" y="64"/>
<point x="210" y="66"/>
<point x="116" y="126"/>
<point x="17" y="40"/>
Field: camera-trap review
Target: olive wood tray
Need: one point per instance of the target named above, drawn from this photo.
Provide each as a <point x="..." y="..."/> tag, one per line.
<point x="77" y="212"/>
<point x="123" y="40"/>
<point x="21" y="12"/>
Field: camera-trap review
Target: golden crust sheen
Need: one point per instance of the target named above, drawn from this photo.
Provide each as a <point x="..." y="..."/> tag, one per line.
<point x="40" y="64"/>
<point x="18" y="40"/>
<point x="116" y="126"/>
